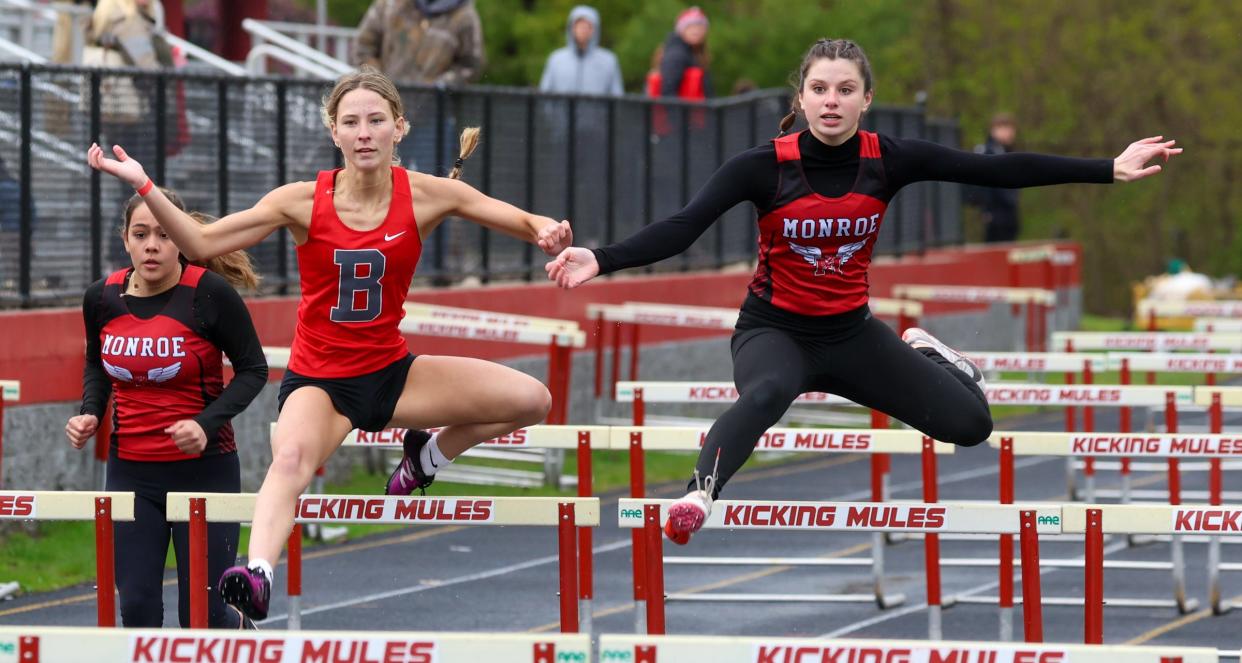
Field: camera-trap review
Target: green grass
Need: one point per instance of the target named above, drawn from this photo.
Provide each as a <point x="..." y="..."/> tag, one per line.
<point x="61" y="554"/>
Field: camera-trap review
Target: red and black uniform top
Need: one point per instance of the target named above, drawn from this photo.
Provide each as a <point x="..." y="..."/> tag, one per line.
<point x="354" y="285"/>
<point x="820" y="208"/>
<point x="814" y="250"/>
<point x="161" y="357"/>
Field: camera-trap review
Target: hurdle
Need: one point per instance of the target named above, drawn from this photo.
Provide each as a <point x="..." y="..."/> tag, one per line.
<point x="61" y="644"/>
<point x="778" y="649"/>
<point x="1039" y="303"/>
<point x="876" y="442"/>
<point x="1218" y="325"/>
<point x="929" y="518"/>
<point x="1095" y="521"/>
<point x="1170" y="446"/>
<point x="105" y="508"/>
<point x="560" y="343"/>
<point x="581" y="438"/>
<point x="10" y="391"/>
<point x="565" y="513"/>
<point x="637" y="314"/>
<point x="1157" y="314"/>
<point x="1123" y="396"/>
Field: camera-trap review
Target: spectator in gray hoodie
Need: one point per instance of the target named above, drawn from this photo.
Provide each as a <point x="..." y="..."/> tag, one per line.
<point x="582" y="66"/>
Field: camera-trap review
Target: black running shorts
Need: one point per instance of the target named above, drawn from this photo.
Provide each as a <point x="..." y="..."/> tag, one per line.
<point x="368" y="401"/>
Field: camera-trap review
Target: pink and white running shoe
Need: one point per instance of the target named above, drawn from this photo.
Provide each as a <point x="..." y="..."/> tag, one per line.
<point x="687" y="515"/>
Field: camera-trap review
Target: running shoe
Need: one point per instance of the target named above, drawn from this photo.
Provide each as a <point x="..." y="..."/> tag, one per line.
<point x="687" y="515"/>
<point x="919" y="338"/>
<point x="409" y="477"/>
<point x="247" y="590"/>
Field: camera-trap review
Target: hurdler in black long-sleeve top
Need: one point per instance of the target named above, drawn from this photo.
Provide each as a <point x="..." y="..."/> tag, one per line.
<point x="187" y="327"/>
<point x="805" y="325"/>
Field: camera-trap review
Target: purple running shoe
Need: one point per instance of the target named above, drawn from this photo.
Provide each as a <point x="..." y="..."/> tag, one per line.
<point x="247" y="590"/>
<point x="409" y="476"/>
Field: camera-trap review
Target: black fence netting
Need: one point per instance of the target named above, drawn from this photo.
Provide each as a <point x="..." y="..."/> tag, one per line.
<point x="609" y="165"/>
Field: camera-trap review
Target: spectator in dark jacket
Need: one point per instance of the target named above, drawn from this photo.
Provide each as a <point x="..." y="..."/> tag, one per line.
<point x="999" y="206"/>
<point x="683" y="64"/>
<point x="422" y="41"/>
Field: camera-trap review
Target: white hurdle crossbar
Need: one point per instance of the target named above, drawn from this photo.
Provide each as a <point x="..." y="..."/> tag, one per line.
<point x="59" y="644"/>
<point x="1218" y="325"/>
<point x="929" y="518"/>
<point x="1151" y="311"/>
<point x="878" y="442"/>
<point x="776" y="649"/>
<point x="1039" y="303"/>
<point x="105" y="508"/>
<point x="564" y="513"/>
<point x="437" y="312"/>
<point x="1147" y="341"/>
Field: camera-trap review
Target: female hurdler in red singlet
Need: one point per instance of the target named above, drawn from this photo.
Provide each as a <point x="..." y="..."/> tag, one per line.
<point x="359" y="232"/>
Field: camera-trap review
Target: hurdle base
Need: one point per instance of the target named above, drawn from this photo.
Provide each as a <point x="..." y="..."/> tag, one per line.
<point x="1191" y="604"/>
<point x="585" y="622"/>
<point x="890" y="600"/>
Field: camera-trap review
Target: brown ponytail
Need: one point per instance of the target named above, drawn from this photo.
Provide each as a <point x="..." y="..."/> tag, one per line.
<point x="469" y="140"/>
<point x="236" y="267"/>
<point x="787" y="122"/>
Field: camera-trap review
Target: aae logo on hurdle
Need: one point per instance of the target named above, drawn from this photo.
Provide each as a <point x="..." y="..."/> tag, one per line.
<point x="394" y="510"/>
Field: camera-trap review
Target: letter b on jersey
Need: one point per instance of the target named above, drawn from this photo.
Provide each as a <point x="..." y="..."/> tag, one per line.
<point x="358" y="292"/>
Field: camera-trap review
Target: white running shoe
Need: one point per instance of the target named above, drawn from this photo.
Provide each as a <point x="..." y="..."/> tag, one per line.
<point x="687" y="515"/>
<point x="919" y="338"/>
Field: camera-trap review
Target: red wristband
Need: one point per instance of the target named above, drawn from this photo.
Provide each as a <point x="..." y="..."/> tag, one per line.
<point x="146" y="188"/>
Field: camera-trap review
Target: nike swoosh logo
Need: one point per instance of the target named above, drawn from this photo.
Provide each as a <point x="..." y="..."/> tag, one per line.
<point x="389" y="238"/>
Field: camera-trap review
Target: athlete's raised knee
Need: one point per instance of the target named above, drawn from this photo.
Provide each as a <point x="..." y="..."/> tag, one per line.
<point x="770" y="396"/>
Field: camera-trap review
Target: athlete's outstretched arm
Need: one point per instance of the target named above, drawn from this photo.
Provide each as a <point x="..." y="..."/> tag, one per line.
<point x="456" y="198"/>
<point x="197" y="241"/>
<point x="907" y="161"/>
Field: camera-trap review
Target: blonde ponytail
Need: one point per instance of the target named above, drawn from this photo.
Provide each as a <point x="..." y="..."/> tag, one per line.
<point x="469" y="140"/>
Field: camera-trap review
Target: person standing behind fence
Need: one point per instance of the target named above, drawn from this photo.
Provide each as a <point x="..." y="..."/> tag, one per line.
<point x="999" y="206"/>
<point x="682" y="68"/>
<point x="122" y="33"/>
<point x="805" y="325"/>
<point x="359" y="232"/>
<point x="582" y="66"/>
<point x="422" y="41"/>
<point x="156" y="334"/>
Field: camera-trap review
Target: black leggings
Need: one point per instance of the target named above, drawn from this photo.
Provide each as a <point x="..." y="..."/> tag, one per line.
<point x="142" y="545"/>
<point x="874" y="368"/>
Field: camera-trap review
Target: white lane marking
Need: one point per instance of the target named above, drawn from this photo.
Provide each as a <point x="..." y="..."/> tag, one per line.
<point x="421" y="587"/>
<point x="879" y="619"/>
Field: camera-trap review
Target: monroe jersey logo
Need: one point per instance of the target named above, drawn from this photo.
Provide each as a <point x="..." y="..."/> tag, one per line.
<point x="827" y="264"/>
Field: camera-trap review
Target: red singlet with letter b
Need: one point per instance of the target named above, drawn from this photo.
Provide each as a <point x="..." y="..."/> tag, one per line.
<point x="354" y="285"/>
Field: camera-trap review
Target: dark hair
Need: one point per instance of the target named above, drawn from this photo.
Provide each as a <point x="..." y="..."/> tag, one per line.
<point x="832" y="49"/>
<point x="235" y="267"/>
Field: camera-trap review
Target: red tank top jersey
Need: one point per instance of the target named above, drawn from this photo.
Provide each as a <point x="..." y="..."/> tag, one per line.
<point x="814" y="250"/>
<point x="162" y="371"/>
<point x="354" y="285"/>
